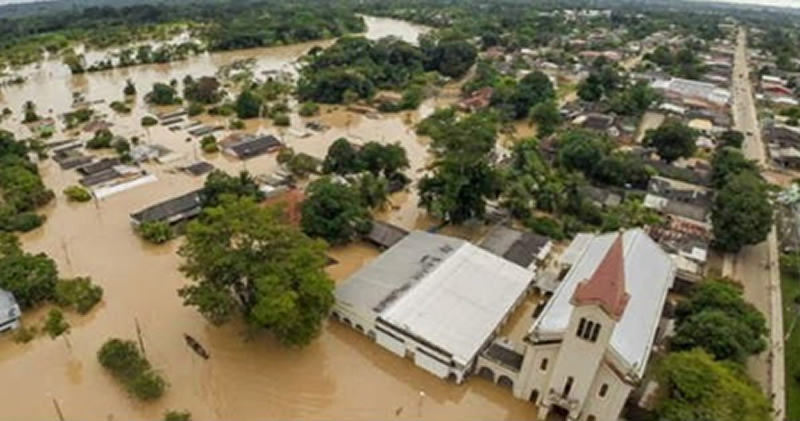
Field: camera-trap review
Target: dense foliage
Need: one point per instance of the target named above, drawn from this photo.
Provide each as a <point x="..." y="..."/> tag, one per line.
<point x="692" y="386"/>
<point x="21" y="188"/>
<point x="716" y="318"/>
<point x="672" y="140"/>
<point x="79" y="294"/>
<point x="123" y="359"/>
<point x="243" y="259"/>
<point x="334" y="211"/>
<point x="156" y="232"/>
<point x="742" y="213"/>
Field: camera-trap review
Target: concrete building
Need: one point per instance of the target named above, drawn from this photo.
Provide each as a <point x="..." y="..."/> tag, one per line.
<point x="434" y="299"/>
<point x="589" y="347"/>
<point x="9" y="311"/>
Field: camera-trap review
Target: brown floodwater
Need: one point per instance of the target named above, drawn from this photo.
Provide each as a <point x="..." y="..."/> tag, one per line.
<point x="341" y="375"/>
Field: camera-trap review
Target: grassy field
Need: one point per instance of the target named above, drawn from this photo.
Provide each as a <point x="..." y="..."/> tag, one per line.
<point x="790" y="288"/>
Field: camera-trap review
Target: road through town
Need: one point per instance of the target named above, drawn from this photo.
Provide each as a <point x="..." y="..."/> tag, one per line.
<point x="756" y="267"/>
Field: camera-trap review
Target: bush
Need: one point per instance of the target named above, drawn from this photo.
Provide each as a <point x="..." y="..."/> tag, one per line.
<point x="24" y="334"/>
<point x="78" y="293"/>
<point x="545" y="226"/>
<point x="120" y="107"/>
<point x="155" y="232"/>
<point x="178" y="416"/>
<point x="101" y="140"/>
<point x="308" y="109"/>
<point x="122" y="147"/>
<point x="237" y="124"/>
<point x="126" y="364"/>
<point x="148" y="121"/>
<point x="209" y="144"/>
<point x="77" y="194"/>
<point x="223" y="110"/>
<point x="281" y="120"/>
<point x="195" y="109"/>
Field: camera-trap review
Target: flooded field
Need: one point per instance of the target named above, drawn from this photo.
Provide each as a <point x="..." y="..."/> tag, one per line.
<point x="341" y="375"/>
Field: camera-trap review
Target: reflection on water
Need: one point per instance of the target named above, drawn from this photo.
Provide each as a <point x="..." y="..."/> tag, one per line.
<point x="341" y="375"/>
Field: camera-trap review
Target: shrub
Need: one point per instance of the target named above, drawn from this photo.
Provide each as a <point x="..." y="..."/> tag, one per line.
<point x="209" y="144"/>
<point x="155" y="232"/>
<point x="101" y="140"/>
<point x="128" y="366"/>
<point x="78" y="293"/>
<point x="281" y="119"/>
<point x="54" y="324"/>
<point x="122" y="146"/>
<point x="178" y="416"/>
<point x="545" y="226"/>
<point x="237" y="124"/>
<point x="120" y="107"/>
<point x="77" y="194"/>
<point x="24" y="334"/>
<point x="148" y="121"/>
<point x="307" y="109"/>
<point x="195" y="109"/>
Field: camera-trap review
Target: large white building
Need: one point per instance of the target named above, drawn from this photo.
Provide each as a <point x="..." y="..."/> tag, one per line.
<point x="435" y="299"/>
<point x="589" y="347"/>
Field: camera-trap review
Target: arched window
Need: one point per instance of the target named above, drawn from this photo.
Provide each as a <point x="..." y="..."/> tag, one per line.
<point x="603" y="390"/>
<point x="568" y="386"/>
<point x="591" y="418"/>
<point x="595" y="332"/>
<point x="588" y="332"/>
<point x="581" y="326"/>
<point x="543" y="364"/>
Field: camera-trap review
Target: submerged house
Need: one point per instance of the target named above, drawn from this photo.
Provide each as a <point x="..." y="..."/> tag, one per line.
<point x="172" y="211"/>
<point x="9" y="311"/>
<point x="434" y="299"/>
<point x="251" y="147"/>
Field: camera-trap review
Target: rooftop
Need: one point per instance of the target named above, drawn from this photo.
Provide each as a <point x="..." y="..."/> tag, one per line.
<point x="520" y="247"/>
<point x="188" y="205"/>
<point x="648" y="274"/>
<point x="444" y="290"/>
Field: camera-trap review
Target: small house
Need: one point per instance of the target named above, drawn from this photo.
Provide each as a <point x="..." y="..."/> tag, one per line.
<point x="9" y="311"/>
<point x="171" y="211"/>
<point x="251" y="147"/>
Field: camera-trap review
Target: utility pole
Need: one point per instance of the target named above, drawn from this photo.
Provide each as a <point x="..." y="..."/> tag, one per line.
<point x="58" y="408"/>
<point x="139" y="335"/>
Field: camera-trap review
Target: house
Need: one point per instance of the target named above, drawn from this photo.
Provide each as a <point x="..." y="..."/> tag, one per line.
<point x="589" y="347"/>
<point x="172" y="211"/>
<point x="598" y="122"/>
<point x="603" y="198"/>
<point x="434" y="299"/>
<point x="477" y="100"/>
<point x="701" y="93"/>
<point x="198" y="168"/>
<point x="687" y="244"/>
<point x="786" y="157"/>
<point x="679" y="199"/>
<point x="99" y="166"/>
<point x="385" y="235"/>
<point x="702" y="125"/>
<point x="521" y="247"/>
<point x="251" y="147"/>
<point x="9" y="311"/>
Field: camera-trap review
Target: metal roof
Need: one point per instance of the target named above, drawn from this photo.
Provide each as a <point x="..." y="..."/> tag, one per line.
<point x="444" y="290"/>
<point x="649" y="273"/>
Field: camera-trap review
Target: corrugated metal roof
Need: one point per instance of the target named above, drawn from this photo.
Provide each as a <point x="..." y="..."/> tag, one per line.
<point x="649" y="273"/>
<point x="441" y="289"/>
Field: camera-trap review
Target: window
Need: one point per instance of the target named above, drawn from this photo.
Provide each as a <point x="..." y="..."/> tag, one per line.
<point x="603" y="390"/>
<point x="591" y="418"/>
<point x="581" y="326"/>
<point x="595" y="332"/>
<point x="588" y="332"/>
<point x="543" y="364"/>
<point x="568" y="386"/>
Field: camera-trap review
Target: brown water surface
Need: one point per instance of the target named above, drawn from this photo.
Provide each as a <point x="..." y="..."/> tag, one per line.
<point x="341" y="375"/>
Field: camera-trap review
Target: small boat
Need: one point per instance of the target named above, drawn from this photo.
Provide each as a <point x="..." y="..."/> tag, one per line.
<point x="196" y="347"/>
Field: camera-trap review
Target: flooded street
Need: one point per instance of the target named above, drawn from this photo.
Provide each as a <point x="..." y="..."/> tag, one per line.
<point x="341" y="375"/>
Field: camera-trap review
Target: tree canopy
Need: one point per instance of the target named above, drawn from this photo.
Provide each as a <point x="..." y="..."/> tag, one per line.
<point x="162" y="94"/>
<point x="672" y="140"/>
<point x="244" y="259"/>
<point x="742" y="213"/>
<point x="692" y="386"/>
<point x="334" y="211"/>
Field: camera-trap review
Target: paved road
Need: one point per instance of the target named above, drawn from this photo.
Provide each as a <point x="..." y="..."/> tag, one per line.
<point x="756" y="267"/>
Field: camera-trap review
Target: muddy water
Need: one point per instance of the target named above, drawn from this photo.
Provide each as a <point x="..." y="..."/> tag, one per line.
<point x="340" y="376"/>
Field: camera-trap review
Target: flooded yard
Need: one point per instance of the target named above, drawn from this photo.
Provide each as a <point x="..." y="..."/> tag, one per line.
<point x="341" y="375"/>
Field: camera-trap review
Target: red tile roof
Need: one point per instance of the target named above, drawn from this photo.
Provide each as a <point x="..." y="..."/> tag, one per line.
<point x="606" y="287"/>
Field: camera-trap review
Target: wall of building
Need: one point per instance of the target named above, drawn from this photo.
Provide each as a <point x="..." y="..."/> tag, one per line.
<point x="532" y="377"/>
<point x="606" y="407"/>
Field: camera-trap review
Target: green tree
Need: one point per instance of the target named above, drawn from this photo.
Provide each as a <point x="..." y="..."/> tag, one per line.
<point x="581" y="150"/>
<point x="31" y="278"/>
<point x="452" y="58"/>
<point x="178" y="416"/>
<point x="387" y="159"/>
<point x="742" y="213"/>
<point x="242" y="258"/>
<point x="533" y="89"/>
<point x="129" y="367"/>
<point x="149" y="121"/>
<point x="692" y="386"/>
<point x="334" y="211"/>
<point x="205" y="90"/>
<point x="155" y="232"/>
<point x="341" y="159"/>
<point x="55" y="325"/>
<point x="308" y="109"/>
<point x="248" y="105"/>
<point x="724" y="337"/>
<point x="102" y="139"/>
<point x="129" y="89"/>
<point x="672" y="140"/>
<point x="219" y="184"/>
<point x="546" y="116"/>
<point x="78" y="294"/>
<point x="727" y="163"/>
<point x="162" y="94"/>
<point x="29" y="111"/>
<point x="732" y="138"/>
<point x="77" y="194"/>
<point x="373" y="190"/>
